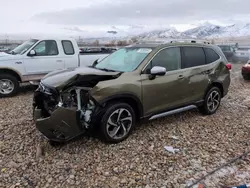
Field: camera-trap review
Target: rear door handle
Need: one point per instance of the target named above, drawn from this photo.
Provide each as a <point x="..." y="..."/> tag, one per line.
<point x="58" y="60"/>
<point x="208" y="71"/>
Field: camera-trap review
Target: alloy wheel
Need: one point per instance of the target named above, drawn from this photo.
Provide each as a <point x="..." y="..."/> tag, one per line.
<point x="119" y="123"/>
<point x="213" y="101"/>
<point x="6" y="86"/>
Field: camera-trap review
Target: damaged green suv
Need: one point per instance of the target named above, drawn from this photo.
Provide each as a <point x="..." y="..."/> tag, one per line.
<point x="141" y="81"/>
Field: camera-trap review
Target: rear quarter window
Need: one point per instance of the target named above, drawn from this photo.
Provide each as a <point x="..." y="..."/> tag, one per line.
<point x="68" y="47"/>
<point x="211" y="55"/>
<point x="192" y="57"/>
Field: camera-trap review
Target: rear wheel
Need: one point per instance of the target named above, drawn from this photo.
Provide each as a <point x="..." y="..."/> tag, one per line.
<point x="9" y="85"/>
<point x="211" y="101"/>
<point x="117" y="122"/>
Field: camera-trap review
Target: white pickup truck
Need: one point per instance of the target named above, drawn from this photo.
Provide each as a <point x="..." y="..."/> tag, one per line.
<point x="35" y="58"/>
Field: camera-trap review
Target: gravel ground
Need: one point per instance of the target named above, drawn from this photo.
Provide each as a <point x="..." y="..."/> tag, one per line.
<point x="205" y="142"/>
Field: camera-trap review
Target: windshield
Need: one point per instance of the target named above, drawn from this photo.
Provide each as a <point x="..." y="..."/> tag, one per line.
<point x="124" y="60"/>
<point x="24" y="47"/>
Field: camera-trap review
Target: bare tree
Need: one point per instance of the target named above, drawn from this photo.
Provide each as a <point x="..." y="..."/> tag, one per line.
<point x="134" y="39"/>
<point x="119" y="43"/>
<point x="213" y="42"/>
<point x="96" y="43"/>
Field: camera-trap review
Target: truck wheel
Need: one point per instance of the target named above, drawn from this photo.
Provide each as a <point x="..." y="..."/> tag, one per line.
<point x="9" y="85"/>
<point x="211" y="102"/>
<point x="117" y="122"/>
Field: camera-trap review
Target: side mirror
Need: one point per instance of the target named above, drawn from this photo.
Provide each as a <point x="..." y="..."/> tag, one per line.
<point x="95" y="63"/>
<point x="158" y="71"/>
<point x="32" y="53"/>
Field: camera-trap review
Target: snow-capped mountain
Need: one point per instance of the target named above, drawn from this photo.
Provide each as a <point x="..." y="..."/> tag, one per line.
<point x="205" y="30"/>
<point x="161" y="33"/>
<point x="126" y="32"/>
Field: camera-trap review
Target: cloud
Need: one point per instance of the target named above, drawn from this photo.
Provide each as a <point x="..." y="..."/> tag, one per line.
<point x="127" y="12"/>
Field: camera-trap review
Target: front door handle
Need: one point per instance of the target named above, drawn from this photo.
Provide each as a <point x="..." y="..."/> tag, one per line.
<point x="180" y="77"/>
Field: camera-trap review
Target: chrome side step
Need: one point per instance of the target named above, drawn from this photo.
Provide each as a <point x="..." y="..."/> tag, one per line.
<point x="173" y="112"/>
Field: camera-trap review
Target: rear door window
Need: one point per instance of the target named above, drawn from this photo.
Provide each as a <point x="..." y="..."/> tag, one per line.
<point x="68" y="47"/>
<point x="211" y="55"/>
<point x="192" y="57"/>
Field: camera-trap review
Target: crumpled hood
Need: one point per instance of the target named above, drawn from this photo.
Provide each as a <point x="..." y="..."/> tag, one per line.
<point x="84" y="76"/>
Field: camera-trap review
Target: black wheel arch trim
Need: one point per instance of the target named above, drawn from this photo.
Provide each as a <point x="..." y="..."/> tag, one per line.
<point x="214" y="84"/>
<point x="124" y="96"/>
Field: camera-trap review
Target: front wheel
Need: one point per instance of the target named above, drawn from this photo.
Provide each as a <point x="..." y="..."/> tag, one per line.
<point x="117" y="122"/>
<point x="211" y="101"/>
<point x="9" y="85"/>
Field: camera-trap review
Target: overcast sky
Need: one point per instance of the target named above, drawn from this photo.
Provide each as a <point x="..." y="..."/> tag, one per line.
<point x="22" y="16"/>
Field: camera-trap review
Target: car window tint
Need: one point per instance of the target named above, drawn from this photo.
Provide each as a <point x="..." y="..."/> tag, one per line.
<point x="170" y="58"/>
<point x="211" y="55"/>
<point x="46" y="48"/>
<point x="193" y="56"/>
<point x="68" y="47"/>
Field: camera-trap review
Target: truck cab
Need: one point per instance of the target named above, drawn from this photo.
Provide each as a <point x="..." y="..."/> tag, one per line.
<point x="35" y="58"/>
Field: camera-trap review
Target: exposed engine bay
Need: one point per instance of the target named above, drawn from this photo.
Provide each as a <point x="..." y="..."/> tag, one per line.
<point x="61" y="117"/>
<point x="78" y="97"/>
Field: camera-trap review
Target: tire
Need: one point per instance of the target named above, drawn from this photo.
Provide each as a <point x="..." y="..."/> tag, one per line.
<point x="122" y="127"/>
<point x="9" y="85"/>
<point x="246" y="77"/>
<point x="54" y="143"/>
<point x="207" y="108"/>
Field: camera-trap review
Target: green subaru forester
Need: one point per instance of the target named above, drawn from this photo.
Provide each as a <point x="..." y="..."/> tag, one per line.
<point x="142" y="81"/>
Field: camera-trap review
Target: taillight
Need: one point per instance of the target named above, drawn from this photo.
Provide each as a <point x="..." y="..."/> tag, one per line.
<point x="229" y="66"/>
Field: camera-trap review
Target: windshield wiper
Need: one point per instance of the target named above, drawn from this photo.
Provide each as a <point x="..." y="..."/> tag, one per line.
<point x="107" y="70"/>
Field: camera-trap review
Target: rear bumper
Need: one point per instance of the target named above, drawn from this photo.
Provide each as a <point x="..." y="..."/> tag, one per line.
<point x="245" y="70"/>
<point x="63" y="124"/>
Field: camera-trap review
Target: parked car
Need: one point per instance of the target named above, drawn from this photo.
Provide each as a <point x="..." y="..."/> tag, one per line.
<point x="35" y="58"/>
<point x="245" y="71"/>
<point x="241" y="54"/>
<point x="142" y="81"/>
<point x="94" y="50"/>
<point x="228" y="51"/>
<point x="4" y="49"/>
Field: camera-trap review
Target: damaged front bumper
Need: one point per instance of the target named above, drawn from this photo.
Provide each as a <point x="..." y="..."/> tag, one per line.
<point x="63" y="124"/>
